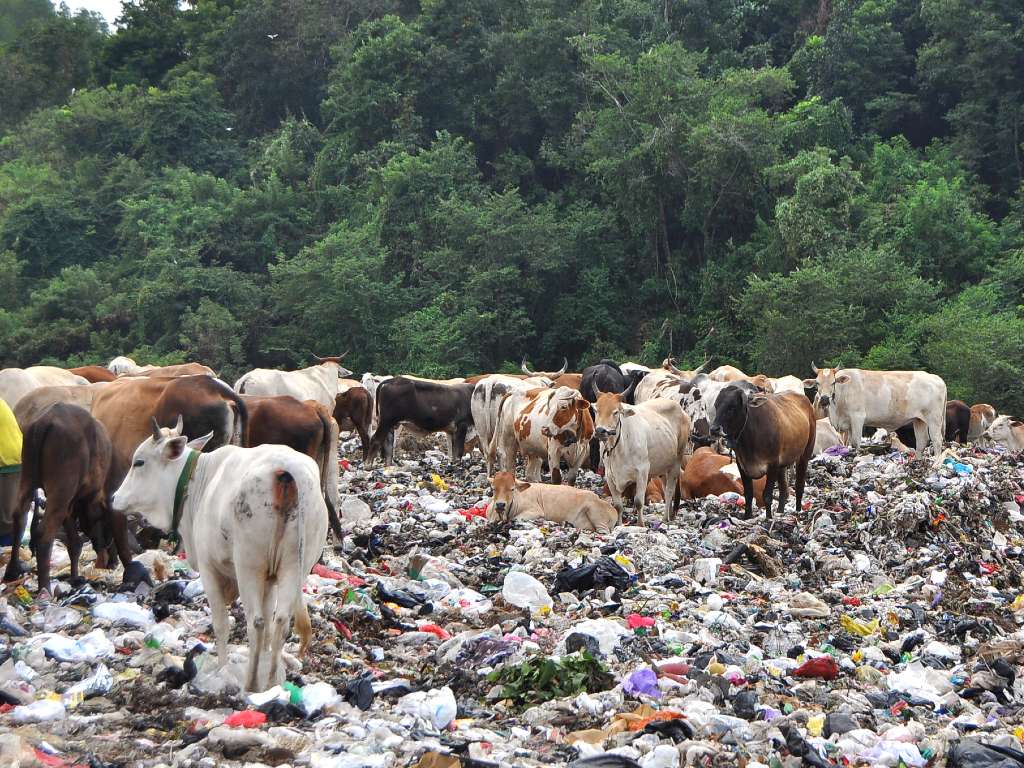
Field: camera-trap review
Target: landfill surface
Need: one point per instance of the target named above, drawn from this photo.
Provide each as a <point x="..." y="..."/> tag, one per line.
<point x="878" y="625"/>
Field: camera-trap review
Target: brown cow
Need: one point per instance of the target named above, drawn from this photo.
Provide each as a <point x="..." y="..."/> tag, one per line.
<point x="184" y="369"/>
<point x="958" y="421"/>
<point x="355" y="406"/>
<point x="126" y="406"/>
<point x="306" y="427"/>
<point x="68" y="454"/>
<point x="768" y="433"/>
<point x="982" y="416"/>
<point x="94" y="373"/>
<point x="707" y="473"/>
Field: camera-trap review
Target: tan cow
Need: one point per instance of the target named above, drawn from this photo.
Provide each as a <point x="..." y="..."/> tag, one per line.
<point x="857" y="398"/>
<point x="982" y="416"/>
<point x="320" y="382"/>
<point x="639" y="442"/>
<point x="15" y="383"/>
<point x="1008" y="432"/>
<point x="38" y="400"/>
<point x="540" y="501"/>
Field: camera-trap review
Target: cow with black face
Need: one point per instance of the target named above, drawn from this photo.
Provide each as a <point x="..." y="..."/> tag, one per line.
<point x="768" y="433"/>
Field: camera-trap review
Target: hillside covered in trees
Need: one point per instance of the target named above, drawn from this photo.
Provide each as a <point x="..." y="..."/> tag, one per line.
<point x="446" y="186"/>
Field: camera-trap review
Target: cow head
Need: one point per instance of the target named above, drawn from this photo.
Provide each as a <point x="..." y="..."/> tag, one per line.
<point x="335" y="362"/>
<point x="635" y="377"/>
<point x="829" y="384"/>
<point x="730" y="413"/>
<point x="148" y="489"/>
<point x="1001" y="431"/>
<point x="570" y="422"/>
<point x="503" y="503"/>
<point x="610" y="409"/>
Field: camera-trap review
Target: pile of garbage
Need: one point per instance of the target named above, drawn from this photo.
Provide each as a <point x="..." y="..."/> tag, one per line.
<point x="878" y="625"/>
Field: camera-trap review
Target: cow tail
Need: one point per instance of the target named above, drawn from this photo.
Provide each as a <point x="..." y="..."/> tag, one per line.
<point x="324" y="460"/>
<point x="35" y="441"/>
<point x="285" y="500"/>
<point x="241" y="383"/>
<point x="241" y="413"/>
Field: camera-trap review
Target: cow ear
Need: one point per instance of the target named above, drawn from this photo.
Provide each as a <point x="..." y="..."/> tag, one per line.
<point x="174" y="448"/>
<point x="810" y="383"/>
<point x="521" y="486"/>
<point x="200" y="442"/>
<point x="842" y="378"/>
<point x="627" y="411"/>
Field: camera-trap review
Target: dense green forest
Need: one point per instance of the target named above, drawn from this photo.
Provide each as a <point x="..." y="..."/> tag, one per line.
<point x="445" y="186"/>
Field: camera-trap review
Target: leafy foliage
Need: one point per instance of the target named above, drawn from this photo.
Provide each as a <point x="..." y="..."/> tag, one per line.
<point x="447" y="187"/>
<point x="541" y="679"/>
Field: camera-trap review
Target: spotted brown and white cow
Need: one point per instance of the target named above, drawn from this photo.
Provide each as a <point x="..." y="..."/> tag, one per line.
<point x="552" y="424"/>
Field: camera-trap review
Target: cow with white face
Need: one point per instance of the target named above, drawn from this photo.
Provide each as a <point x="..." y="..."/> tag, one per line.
<point x="857" y="398"/>
<point x="639" y="442"/>
<point x="1007" y="432"/>
<point x="253" y="522"/>
<point x="552" y="424"/>
<point x="699" y="395"/>
<point x="321" y="382"/>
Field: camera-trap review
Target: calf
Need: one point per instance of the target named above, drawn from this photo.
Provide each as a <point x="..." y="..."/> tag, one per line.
<point x="1008" y="432"/>
<point x="305" y="427"/>
<point x="982" y="415"/>
<point x="639" y="442"/>
<point x="253" y="523"/>
<point x="825" y="436"/>
<point x="767" y="433"/>
<point x="709" y="473"/>
<point x="355" y="405"/>
<point x="68" y="454"/>
<point x="552" y="424"/>
<point x="558" y="503"/>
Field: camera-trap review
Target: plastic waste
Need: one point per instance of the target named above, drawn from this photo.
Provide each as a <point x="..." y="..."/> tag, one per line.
<point x="89" y="647"/>
<point x="318" y="696"/>
<point x="97" y="684"/>
<point x="247" y="718"/>
<point x="437" y="707"/>
<point x="124" y="613"/>
<point x="41" y="711"/>
<point x="522" y="590"/>
<point x="642" y="682"/>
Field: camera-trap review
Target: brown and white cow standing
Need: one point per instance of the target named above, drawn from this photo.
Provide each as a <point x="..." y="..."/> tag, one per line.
<point x="551" y="424"/>
<point x="639" y="442"/>
<point x="767" y="433"/>
<point x="982" y="415"/>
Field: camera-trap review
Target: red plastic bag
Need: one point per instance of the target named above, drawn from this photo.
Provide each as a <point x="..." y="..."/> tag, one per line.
<point x="822" y="667"/>
<point x="434" y="629"/>
<point x="247" y="718"/>
<point x="636" y="621"/>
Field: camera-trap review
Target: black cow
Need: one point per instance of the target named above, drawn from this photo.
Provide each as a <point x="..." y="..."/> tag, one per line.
<point x="606" y="376"/>
<point x="430" y="406"/>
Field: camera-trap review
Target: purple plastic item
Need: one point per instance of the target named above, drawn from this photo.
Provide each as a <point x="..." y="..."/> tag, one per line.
<point x="642" y="682"/>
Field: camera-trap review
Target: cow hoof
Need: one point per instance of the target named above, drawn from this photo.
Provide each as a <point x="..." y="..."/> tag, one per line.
<point x="13" y="574"/>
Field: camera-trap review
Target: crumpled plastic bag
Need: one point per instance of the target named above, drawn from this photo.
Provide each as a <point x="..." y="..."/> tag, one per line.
<point x="806" y="606"/>
<point x="90" y="647"/>
<point x="642" y="682"/>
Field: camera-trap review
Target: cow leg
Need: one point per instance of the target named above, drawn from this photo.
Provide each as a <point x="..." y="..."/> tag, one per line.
<point x="748" y="493"/>
<point x="74" y="540"/>
<point x="935" y="434"/>
<point x="555" y="462"/>
<point x="783" y="489"/>
<point x="19" y="520"/>
<point x="616" y="497"/>
<point x="671" y="480"/>
<point x="217" y="597"/>
<point x="533" y="469"/>
<point x="459" y="442"/>
<point x="769" y="490"/>
<point x="640" y="494"/>
<point x="119" y="526"/>
<point x="57" y="512"/>
<point x="856" y="431"/>
<point x="303" y="626"/>
<point x="252" y="588"/>
<point x="921" y="436"/>
<point x="801" y="477"/>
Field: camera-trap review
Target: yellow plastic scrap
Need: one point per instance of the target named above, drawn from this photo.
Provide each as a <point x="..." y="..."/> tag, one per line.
<point x="1018" y="603"/>
<point x="440" y="484"/>
<point x="815" y="725"/>
<point x="858" y="627"/>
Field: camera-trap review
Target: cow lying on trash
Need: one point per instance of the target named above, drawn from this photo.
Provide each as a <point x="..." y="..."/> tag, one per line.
<point x="253" y="522"/>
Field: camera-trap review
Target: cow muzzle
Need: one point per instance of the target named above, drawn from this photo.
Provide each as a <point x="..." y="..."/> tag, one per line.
<point x="824" y="401"/>
<point x="717" y="431"/>
<point x="603" y="433"/>
<point x="500" y="506"/>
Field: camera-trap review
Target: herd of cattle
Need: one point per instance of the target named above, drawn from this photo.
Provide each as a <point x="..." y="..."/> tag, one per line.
<point x="252" y="493"/>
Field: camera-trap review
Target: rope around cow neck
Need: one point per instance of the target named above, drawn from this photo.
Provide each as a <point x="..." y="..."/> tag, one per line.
<point x="180" y="491"/>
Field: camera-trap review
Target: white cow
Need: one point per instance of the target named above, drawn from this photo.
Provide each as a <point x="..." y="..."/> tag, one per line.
<point x="320" y="382"/>
<point x="658" y="383"/>
<point x="486" y="401"/>
<point x="1008" y="432"/>
<point x="825" y="436"/>
<point x="786" y="384"/>
<point x="15" y="383"/>
<point x="125" y="366"/>
<point x="552" y="424"/>
<point x="628" y="368"/>
<point x="856" y="398"/>
<point x="253" y="522"/>
<point x="639" y="442"/>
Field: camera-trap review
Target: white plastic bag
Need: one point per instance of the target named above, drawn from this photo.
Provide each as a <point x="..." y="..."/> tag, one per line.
<point x="437" y="707"/>
<point x="523" y="591"/>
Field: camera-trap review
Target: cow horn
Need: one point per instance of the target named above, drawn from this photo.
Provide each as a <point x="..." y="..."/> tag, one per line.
<point x="814" y="367"/>
<point x="524" y="369"/>
<point x="180" y="426"/>
<point x="564" y="368"/>
<point x="156" y="429"/>
<point x="344" y="354"/>
<point x="700" y="368"/>
<point x="318" y="358"/>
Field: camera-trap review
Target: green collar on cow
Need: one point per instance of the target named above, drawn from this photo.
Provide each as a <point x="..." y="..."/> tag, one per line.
<point x="179" y="493"/>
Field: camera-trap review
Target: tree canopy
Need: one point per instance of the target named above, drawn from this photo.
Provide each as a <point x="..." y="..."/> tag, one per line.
<point x="447" y="186"/>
